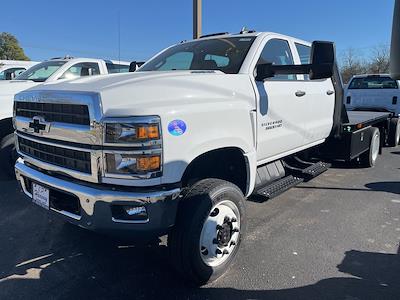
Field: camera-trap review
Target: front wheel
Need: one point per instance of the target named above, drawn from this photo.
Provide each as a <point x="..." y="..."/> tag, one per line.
<point x="210" y="226"/>
<point x="8" y="155"/>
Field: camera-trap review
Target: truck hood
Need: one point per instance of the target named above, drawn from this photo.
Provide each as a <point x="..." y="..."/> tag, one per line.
<point x="11" y="87"/>
<point x="7" y="91"/>
<point x="155" y="92"/>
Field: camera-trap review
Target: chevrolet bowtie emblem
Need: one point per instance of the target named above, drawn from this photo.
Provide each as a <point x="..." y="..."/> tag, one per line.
<point x="38" y="125"/>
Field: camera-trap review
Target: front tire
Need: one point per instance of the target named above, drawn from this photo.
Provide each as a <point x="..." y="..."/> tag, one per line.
<point x="368" y="159"/>
<point x="8" y="155"/>
<point x="209" y="228"/>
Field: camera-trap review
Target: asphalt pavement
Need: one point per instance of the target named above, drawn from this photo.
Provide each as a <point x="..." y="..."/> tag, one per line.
<point x="335" y="237"/>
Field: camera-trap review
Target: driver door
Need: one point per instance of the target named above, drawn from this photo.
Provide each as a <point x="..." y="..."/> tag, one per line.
<point x="281" y="108"/>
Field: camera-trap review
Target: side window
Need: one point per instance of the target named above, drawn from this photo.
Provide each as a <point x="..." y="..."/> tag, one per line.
<point x="116" y="68"/>
<point x="277" y="52"/>
<point x="80" y="70"/>
<point x="305" y="56"/>
<point x="11" y="73"/>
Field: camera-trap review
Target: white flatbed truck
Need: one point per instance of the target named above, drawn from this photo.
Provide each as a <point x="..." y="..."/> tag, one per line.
<point x="176" y="147"/>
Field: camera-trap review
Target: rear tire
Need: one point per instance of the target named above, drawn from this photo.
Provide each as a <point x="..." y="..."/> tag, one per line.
<point x="394" y="132"/>
<point x="209" y="227"/>
<point x="368" y="159"/>
<point x="8" y="156"/>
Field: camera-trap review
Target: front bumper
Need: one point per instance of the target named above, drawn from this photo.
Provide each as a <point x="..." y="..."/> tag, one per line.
<point x="95" y="204"/>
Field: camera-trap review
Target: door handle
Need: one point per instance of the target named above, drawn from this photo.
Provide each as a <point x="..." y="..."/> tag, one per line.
<point x="300" y="93"/>
<point x="329" y="92"/>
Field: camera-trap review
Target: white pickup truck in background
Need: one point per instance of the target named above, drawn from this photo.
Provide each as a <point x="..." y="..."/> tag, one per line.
<point x="54" y="70"/>
<point x="375" y="92"/>
<point x="176" y="147"/>
<point x="9" y="69"/>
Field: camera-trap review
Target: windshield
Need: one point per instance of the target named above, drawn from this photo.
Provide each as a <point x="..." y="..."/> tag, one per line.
<point x="373" y="82"/>
<point x="42" y="71"/>
<point x="224" y="54"/>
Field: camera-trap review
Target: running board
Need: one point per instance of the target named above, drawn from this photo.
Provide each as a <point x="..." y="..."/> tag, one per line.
<point x="306" y="170"/>
<point x="315" y="169"/>
<point x="278" y="187"/>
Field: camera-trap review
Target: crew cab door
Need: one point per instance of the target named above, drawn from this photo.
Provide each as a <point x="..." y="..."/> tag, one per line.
<point x="282" y="109"/>
<point x="319" y="99"/>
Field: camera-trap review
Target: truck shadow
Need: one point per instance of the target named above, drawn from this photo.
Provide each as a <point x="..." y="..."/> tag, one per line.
<point x="79" y="264"/>
<point x="385" y="186"/>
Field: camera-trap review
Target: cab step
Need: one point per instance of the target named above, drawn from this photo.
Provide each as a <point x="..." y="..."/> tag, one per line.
<point x="304" y="169"/>
<point x="278" y="187"/>
<point x="315" y="169"/>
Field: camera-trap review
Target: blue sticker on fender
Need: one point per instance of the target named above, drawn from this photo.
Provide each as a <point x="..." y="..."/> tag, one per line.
<point x="177" y="127"/>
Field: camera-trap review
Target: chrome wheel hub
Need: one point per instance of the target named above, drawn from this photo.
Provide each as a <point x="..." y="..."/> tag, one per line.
<point x="220" y="233"/>
<point x="375" y="147"/>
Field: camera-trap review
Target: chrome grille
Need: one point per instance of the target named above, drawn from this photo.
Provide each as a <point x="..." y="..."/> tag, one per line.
<point x="67" y="158"/>
<point x="54" y="112"/>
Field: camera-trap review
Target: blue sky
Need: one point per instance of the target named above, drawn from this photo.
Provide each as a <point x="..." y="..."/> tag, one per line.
<point x="90" y="28"/>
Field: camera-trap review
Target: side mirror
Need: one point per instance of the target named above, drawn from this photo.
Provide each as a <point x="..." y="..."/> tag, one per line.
<point x="322" y="60"/>
<point x="133" y="66"/>
<point x="321" y="66"/>
<point x="395" y="44"/>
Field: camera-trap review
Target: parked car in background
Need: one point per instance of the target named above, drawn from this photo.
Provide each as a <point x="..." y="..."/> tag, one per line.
<point x="53" y="70"/>
<point x="9" y="69"/>
<point x="375" y="92"/>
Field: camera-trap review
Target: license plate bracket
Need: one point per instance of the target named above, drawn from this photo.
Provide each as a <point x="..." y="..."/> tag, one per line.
<point x="40" y="195"/>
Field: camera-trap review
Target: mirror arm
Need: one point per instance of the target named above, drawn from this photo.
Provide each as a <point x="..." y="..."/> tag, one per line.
<point x="291" y="69"/>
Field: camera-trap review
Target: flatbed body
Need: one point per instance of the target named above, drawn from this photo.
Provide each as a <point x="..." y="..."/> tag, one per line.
<point x="355" y="135"/>
<point x="366" y="118"/>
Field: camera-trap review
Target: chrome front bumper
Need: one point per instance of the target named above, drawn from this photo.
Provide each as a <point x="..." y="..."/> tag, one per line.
<point x="95" y="203"/>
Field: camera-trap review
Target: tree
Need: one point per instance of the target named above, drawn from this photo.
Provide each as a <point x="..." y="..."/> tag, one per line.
<point x="380" y="60"/>
<point x="10" y="48"/>
<point x="351" y="65"/>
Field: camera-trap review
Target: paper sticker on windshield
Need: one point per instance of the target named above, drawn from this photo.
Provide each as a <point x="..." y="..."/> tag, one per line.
<point x="177" y="127"/>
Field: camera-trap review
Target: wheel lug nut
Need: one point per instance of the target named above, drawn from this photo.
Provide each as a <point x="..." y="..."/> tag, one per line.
<point x="235" y="230"/>
<point x="225" y="252"/>
<point x="218" y="251"/>
<point x="233" y="220"/>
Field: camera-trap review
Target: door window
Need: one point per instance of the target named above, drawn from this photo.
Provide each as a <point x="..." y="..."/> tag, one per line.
<point x="277" y="52"/>
<point x="305" y="56"/>
<point x="80" y="70"/>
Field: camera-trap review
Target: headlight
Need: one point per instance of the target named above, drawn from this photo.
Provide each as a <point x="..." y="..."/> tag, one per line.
<point x="130" y="164"/>
<point x="128" y="133"/>
<point x="141" y="137"/>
